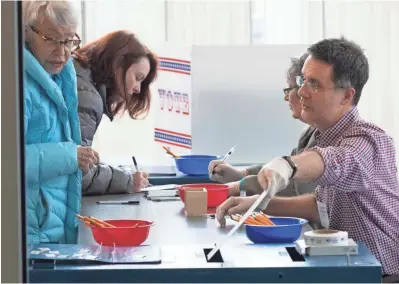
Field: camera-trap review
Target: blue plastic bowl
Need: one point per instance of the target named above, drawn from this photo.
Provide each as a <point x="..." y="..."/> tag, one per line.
<point x="194" y="165"/>
<point x="287" y="230"/>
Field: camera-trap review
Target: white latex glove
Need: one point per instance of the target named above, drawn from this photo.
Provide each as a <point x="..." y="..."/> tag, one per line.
<point x="274" y="177"/>
<point x="224" y="173"/>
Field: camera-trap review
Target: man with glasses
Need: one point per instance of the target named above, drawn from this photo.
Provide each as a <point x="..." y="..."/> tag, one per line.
<point x="353" y="162"/>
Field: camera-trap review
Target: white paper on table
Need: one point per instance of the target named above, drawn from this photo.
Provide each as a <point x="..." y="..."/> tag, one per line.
<point x="159" y="187"/>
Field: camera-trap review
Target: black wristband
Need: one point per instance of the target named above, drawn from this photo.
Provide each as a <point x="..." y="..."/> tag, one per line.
<point x="293" y="166"/>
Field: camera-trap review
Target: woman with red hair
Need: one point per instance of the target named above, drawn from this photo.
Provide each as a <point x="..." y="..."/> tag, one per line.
<point x="113" y="76"/>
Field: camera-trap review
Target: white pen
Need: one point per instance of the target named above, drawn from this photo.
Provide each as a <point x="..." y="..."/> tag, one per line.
<point x="226" y="156"/>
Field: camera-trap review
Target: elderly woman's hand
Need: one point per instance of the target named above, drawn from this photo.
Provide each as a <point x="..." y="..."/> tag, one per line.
<point x="87" y="158"/>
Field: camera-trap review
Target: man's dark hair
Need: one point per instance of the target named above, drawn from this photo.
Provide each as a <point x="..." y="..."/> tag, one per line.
<point x="350" y="65"/>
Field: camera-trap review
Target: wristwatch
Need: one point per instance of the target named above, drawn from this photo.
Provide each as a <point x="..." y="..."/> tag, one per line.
<point x="293" y="166"/>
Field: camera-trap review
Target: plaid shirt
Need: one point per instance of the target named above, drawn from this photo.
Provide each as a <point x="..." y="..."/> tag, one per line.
<point x="360" y="185"/>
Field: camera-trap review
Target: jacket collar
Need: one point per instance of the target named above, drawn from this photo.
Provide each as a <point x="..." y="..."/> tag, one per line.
<point x="86" y="75"/>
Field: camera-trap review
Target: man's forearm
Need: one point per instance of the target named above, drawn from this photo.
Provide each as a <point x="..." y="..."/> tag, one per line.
<point x="310" y="166"/>
<point x="303" y="206"/>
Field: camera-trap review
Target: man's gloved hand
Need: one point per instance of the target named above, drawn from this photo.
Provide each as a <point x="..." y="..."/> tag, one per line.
<point x="274" y="176"/>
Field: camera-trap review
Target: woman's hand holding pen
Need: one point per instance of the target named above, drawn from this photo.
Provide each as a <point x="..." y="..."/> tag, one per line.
<point x="140" y="180"/>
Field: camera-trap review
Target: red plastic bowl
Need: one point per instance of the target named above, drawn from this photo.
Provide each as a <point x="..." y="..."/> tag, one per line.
<point x="217" y="193"/>
<point x="125" y="233"/>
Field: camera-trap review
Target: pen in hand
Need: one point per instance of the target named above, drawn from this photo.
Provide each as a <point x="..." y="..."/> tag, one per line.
<point x="225" y="157"/>
<point x="138" y="170"/>
<point x="135" y="163"/>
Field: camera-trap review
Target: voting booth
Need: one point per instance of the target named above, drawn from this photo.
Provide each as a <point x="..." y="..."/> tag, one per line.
<point x="208" y="98"/>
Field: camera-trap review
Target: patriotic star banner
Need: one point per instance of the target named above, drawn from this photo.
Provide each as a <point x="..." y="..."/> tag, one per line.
<point x="172" y="99"/>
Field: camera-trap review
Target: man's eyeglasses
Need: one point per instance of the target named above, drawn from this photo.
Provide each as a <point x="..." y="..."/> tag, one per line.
<point x="70" y="44"/>
<point x="313" y="86"/>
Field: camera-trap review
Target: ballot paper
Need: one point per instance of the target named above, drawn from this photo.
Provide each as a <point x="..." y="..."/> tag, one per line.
<point x="160" y="187"/>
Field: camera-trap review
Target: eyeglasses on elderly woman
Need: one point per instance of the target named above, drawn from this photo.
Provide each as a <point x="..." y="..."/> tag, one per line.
<point x="52" y="43"/>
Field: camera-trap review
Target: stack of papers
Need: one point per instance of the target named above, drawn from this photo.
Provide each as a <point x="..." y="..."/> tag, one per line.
<point x="168" y="187"/>
<point x="168" y="190"/>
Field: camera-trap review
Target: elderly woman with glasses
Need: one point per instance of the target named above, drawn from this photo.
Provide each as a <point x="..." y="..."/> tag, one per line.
<point x="54" y="159"/>
<point x="246" y="179"/>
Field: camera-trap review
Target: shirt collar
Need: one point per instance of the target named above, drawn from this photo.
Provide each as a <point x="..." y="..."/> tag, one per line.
<point x="338" y="128"/>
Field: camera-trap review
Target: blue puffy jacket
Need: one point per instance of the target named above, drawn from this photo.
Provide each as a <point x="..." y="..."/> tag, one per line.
<point x="52" y="133"/>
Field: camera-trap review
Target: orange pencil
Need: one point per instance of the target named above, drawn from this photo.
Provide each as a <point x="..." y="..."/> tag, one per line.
<point x="95" y="223"/>
<point x="170" y="152"/>
<point x="256" y="222"/>
<point x="266" y="217"/>
<point x="262" y="219"/>
<point x="92" y="222"/>
<point x="250" y="221"/>
<point x="80" y="217"/>
<point x="102" y="222"/>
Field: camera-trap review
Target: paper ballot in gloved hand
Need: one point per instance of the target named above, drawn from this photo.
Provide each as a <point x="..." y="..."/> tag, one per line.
<point x="273" y="178"/>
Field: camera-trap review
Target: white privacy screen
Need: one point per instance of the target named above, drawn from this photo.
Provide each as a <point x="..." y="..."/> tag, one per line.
<point x="237" y="99"/>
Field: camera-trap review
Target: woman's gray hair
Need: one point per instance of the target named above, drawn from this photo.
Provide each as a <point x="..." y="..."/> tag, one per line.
<point x="296" y="67"/>
<point x="59" y="12"/>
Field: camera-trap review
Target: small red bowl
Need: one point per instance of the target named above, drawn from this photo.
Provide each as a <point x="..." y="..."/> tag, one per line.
<point x="217" y="193"/>
<point x="125" y="233"/>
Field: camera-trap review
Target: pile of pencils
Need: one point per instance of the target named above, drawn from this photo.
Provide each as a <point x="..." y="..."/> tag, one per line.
<point x="92" y="221"/>
<point x="257" y="218"/>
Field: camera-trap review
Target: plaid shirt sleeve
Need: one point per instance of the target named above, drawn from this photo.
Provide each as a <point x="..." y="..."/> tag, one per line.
<point x="350" y="165"/>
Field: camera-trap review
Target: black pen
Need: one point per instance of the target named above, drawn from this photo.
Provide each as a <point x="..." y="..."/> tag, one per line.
<point x="110" y="202"/>
<point x="135" y="163"/>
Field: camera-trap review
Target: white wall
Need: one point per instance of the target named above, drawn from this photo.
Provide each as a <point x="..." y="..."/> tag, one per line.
<point x="300" y="24"/>
<point x="145" y="18"/>
<point x="208" y="22"/>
